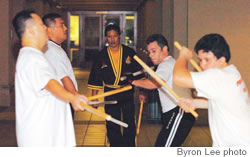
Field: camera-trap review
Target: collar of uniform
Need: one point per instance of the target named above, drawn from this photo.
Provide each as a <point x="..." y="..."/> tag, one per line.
<point x="167" y="58"/>
<point x="120" y="46"/>
<point x="31" y="48"/>
<point x="51" y="41"/>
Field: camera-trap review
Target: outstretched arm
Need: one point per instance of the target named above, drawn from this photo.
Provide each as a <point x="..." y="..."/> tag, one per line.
<point x="69" y="85"/>
<point x="181" y="75"/>
<point x="187" y="103"/>
<point x="55" y="88"/>
<point x="146" y="83"/>
<point x="93" y="93"/>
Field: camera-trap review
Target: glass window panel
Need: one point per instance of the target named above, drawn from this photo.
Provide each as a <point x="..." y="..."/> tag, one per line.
<point x="92" y="31"/>
<point x="74" y="39"/>
<point x="74" y="30"/>
<point x="111" y="19"/>
<point x="129" y="32"/>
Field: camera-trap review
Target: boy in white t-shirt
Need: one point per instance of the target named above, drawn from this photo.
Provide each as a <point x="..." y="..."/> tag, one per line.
<point x="221" y="84"/>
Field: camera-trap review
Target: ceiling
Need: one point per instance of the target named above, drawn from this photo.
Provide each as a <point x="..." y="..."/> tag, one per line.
<point x="98" y="5"/>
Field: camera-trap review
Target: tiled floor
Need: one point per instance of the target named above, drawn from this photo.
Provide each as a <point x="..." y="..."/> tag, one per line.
<point x="90" y="130"/>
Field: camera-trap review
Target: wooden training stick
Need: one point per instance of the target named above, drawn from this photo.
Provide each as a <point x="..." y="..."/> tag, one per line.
<point x="196" y="66"/>
<point x="160" y="81"/>
<point x="139" y="119"/>
<point x="103" y="115"/>
<point x="110" y="93"/>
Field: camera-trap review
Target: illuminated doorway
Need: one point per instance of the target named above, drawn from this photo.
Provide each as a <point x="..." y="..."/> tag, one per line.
<point x="86" y="33"/>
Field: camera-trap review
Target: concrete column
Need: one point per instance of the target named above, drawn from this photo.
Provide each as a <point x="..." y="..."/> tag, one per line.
<point x="180" y="34"/>
<point x="180" y="23"/>
<point x="4" y="54"/>
<point x="168" y="22"/>
<point x="153" y="17"/>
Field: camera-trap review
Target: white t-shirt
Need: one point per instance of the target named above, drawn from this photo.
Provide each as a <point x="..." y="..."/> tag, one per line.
<point x="165" y="72"/>
<point x="228" y="108"/>
<point x="59" y="60"/>
<point x="41" y="118"/>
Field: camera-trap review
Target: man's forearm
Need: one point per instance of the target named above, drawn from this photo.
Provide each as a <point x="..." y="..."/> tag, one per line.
<point x="94" y="92"/>
<point x="146" y="83"/>
<point x="56" y="89"/>
<point x="69" y="85"/>
<point x="201" y="103"/>
<point x="181" y="75"/>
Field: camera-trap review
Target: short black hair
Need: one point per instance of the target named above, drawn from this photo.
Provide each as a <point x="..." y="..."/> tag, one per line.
<point x="214" y="43"/>
<point x="160" y="39"/>
<point x="49" y="19"/>
<point x="19" y="21"/>
<point x="112" y="27"/>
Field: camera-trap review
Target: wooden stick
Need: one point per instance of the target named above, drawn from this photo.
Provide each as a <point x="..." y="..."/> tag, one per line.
<point x="118" y="122"/>
<point x="160" y="81"/>
<point x="110" y="93"/>
<point x="139" y="119"/>
<point x="103" y="115"/>
<point x="196" y="66"/>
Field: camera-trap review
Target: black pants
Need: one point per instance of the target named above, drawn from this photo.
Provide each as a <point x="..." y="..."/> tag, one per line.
<point x="176" y="127"/>
<point x="72" y="110"/>
<point x="115" y="136"/>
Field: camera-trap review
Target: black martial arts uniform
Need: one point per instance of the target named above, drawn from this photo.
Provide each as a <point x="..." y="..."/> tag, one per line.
<point x="104" y="75"/>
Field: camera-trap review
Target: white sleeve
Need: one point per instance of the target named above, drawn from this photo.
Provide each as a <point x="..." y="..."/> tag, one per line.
<point x="40" y="73"/>
<point x="62" y="68"/>
<point x="206" y="83"/>
<point x="57" y="60"/>
<point x="165" y="71"/>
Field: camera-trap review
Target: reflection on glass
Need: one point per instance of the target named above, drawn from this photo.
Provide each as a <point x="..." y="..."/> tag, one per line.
<point x="74" y="39"/>
<point x="111" y="20"/>
<point x="92" y="31"/>
<point x="129" y="30"/>
<point x="74" y="30"/>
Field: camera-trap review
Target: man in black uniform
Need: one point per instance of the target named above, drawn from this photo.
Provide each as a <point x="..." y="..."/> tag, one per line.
<point x="114" y="61"/>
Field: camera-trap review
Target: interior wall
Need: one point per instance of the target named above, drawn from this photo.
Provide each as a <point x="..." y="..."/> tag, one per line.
<point x="4" y="54"/>
<point x="180" y="23"/>
<point x="180" y="35"/>
<point x="140" y="31"/>
<point x="229" y="18"/>
<point x="153" y="17"/>
<point x="168" y="22"/>
<point x="149" y="22"/>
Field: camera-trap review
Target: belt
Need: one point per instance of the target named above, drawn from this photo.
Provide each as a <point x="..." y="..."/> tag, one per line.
<point x="114" y="86"/>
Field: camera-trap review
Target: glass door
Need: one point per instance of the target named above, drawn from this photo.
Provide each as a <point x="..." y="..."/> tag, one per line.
<point x="74" y="42"/>
<point x="91" y="37"/>
<point x="111" y="19"/>
<point x="87" y="33"/>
